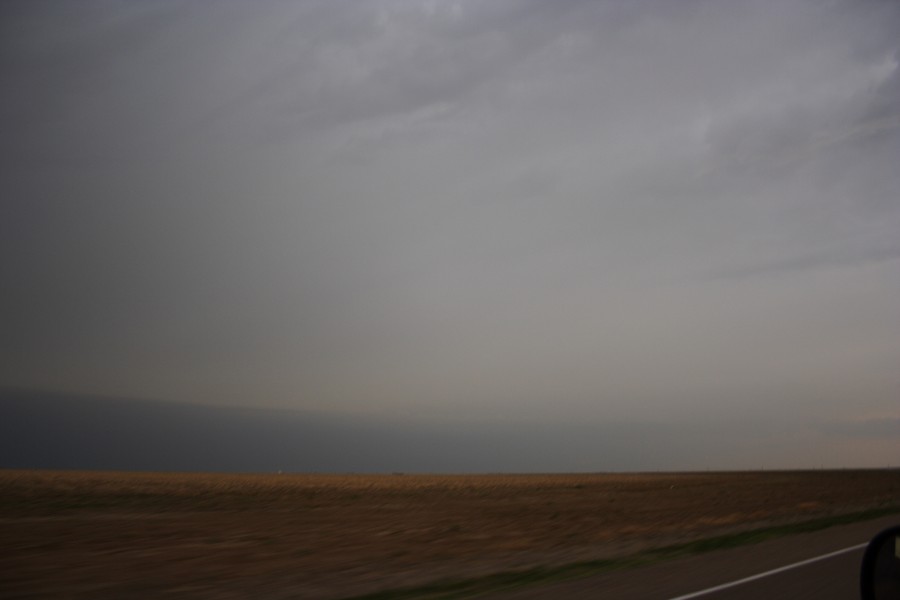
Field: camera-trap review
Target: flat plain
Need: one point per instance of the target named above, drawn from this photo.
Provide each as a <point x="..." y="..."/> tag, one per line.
<point x="71" y="534"/>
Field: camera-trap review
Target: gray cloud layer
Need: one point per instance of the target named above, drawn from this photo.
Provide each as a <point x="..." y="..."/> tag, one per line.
<point x="63" y="431"/>
<point x="568" y="212"/>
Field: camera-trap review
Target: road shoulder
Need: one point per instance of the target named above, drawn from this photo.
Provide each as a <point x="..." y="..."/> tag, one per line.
<point x="691" y="573"/>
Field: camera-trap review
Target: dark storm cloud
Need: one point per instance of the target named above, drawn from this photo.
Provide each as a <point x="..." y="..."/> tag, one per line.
<point x="49" y="430"/>
<point x="878" y="428"/>
<point x="571" y="211"/>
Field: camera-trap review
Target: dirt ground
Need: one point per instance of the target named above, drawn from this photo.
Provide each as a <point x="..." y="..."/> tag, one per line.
<point x="146" y="535"/>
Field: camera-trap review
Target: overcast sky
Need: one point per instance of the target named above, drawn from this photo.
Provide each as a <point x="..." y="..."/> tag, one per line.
<point x="674" y="214"/>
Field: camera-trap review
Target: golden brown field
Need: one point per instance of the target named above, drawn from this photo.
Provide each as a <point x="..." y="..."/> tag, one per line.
<point x="141" y="535"/>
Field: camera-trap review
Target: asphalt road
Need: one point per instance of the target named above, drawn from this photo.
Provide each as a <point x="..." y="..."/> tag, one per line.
<point x="831" y="578"/>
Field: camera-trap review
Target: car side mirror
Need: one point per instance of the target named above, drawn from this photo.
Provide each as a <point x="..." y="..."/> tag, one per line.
<point x="879" y="577"/>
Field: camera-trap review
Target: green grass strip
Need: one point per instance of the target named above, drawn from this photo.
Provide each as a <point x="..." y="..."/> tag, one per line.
<point x="447" y="590"/>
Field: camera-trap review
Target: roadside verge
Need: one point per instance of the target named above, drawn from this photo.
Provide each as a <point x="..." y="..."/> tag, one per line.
<point x="507" y="581"/>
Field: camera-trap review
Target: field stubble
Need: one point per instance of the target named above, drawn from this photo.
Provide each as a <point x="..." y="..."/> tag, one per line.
<point x="137" y="535"/>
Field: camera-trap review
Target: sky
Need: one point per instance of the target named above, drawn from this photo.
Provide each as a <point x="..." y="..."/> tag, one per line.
<point x="675" y="224"/>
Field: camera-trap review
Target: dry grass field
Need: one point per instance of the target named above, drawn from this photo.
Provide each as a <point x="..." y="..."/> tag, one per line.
<point x="144" y="535"/>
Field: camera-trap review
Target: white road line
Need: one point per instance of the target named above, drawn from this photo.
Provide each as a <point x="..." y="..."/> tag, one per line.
<point x="802" y="563"/>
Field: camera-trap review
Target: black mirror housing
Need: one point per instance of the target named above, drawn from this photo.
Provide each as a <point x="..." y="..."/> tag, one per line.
<point x="879" y="577"/>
